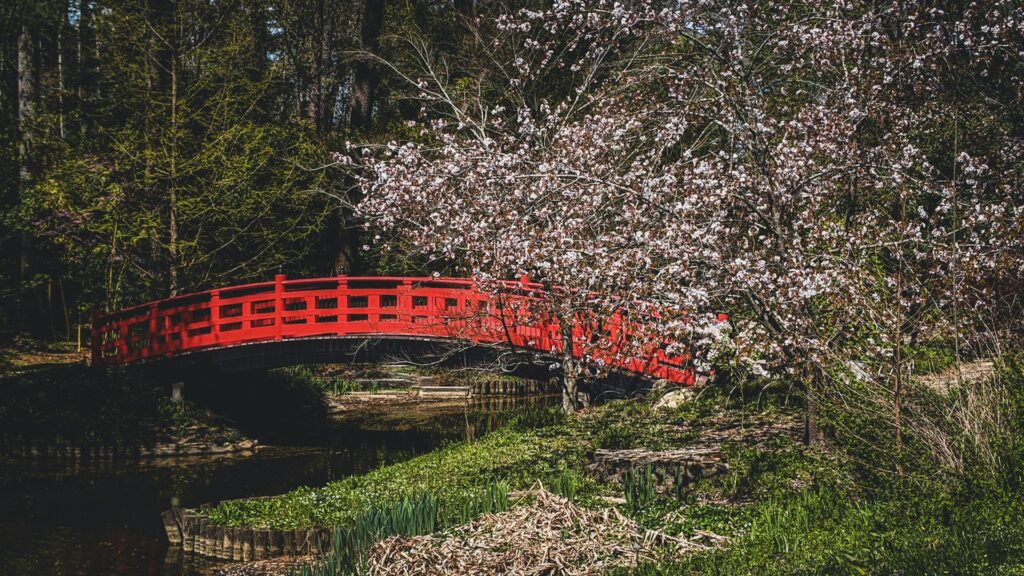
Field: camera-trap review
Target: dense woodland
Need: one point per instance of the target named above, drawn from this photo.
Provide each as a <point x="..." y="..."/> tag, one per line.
<point x="153" y="148"/>
<point x="844" y="181"/>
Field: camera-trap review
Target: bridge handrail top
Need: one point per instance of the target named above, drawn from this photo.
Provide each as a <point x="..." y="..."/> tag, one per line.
<point x="104" y="316"/>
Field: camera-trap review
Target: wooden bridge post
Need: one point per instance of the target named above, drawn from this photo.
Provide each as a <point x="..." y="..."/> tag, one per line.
<point x="95" y="340"/>
<point x="176" y="391"/>
<point x="278" y="305"/>
<point x="342" y="304"/>
<point x="215" y="315"/>
<point x="154" y="330"/>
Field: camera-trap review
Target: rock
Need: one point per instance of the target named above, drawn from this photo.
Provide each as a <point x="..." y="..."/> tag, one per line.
<point x="671" y="470"/>
<point x="675" y="398"/>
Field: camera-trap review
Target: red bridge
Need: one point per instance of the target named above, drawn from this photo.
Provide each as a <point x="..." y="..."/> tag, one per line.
<point x="313" y="311"/>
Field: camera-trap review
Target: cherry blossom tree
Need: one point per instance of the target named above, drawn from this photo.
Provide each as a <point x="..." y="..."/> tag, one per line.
<point x="777" y="161"/>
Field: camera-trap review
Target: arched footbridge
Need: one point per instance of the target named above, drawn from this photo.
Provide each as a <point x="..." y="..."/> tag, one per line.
<point x="293" y="321"/>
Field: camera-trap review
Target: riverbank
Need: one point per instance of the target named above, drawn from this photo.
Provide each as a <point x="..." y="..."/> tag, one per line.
<point x="102" y="517"/>
<point x="55" y="406"/>
<point x="686" y="450"/>
<point x="721" y="474"/>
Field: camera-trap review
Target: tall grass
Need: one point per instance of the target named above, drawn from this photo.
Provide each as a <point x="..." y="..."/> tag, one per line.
<point x="784" y="522"/>
<point x="638" y="485"/>
<point x="409" y="516"/>
<point x="565" y="485"/>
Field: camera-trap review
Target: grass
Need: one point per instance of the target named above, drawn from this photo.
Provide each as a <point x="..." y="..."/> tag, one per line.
<point x="785" y="508"/>
<point x="795" y="511"/>
<point x="542" y="445"/>
<point x="514" y="456"/>
<point x="408" y="516"/>
<point x="536" y="445"/>
<point x="819" y="531"/>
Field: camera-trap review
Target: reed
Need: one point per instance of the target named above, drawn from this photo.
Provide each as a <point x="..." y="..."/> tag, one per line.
<point x="565" y="485"/>
<point x="410" y="516"/>
<point x="638" y="485"/>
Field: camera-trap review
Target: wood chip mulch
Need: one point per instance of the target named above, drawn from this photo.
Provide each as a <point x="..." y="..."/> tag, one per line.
<point x="549" y="535"/>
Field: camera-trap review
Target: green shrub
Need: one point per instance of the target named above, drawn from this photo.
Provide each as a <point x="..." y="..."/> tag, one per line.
<point x="930" y="358"/>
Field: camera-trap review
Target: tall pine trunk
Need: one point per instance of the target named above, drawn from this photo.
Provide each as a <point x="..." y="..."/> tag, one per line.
<point x="172" y="193"/>
<point x="347" y="232"/>
<point x="28" y="97"/>
<point x="367" y="70"/>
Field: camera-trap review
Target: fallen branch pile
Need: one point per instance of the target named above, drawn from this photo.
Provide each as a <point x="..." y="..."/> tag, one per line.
<point x="548" y="535"/>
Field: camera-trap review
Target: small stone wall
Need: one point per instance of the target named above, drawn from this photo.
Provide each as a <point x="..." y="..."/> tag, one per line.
<point x="510" y="387"/>
<point x="689" y="465"/>
<point x="444" y="391"/>
<point x="192" y="531"/>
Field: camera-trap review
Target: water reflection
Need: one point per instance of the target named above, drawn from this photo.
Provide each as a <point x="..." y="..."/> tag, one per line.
<point x="104" y="518"/>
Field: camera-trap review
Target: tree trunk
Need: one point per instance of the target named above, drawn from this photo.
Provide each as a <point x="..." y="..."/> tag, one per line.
<point x="60" y="67"/>
<point x="172" y="196"/>
<point x="86" y="62"/>
<point x="28" y="97"/>
<point x="323" y="88"/>
<point x="367" y="73"/>
<point x="161" y="82"/>
<point x="813" y="434"/>
<point x="347" y="231"/>
<point x="346" y="238"/>
<point x="570" y="369"/>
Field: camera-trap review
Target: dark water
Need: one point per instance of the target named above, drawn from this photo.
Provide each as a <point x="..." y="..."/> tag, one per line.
<point x="104" y="518"/>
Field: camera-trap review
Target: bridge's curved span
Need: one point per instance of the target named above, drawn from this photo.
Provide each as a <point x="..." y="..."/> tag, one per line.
<point x="307" y="314"/>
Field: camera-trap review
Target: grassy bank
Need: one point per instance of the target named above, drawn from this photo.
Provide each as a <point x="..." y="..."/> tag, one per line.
<point x="782" y="508"/>
<point x="851" y="517"/>
<point x="537" y="445"/>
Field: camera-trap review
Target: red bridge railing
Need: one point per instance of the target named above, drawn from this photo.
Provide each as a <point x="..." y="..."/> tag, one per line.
<point x="446" y="308"/>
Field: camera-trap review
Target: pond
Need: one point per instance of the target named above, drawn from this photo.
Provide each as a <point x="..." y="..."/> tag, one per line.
<point x="104" y="518"/>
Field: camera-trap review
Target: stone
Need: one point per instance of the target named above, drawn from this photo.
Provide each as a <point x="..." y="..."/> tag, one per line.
<point x="172" y="525"/>
<point x="668" y="467"/>
<point x="675" y="398"/>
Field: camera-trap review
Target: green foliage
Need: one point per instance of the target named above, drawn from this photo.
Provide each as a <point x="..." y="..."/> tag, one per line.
<point x="517" y="457"/>
<point x="68" y="405"/>
<point x="638" y="486"/>
<point x="409" y="516"/>
<point x="930" y="358"/>
<point x="566" y="484"/>
<point x="310" y="378"/>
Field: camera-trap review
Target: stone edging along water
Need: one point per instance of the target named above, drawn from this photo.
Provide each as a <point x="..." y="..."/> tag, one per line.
<point x="195" y="534"/>
<point x="670" y="470"/>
